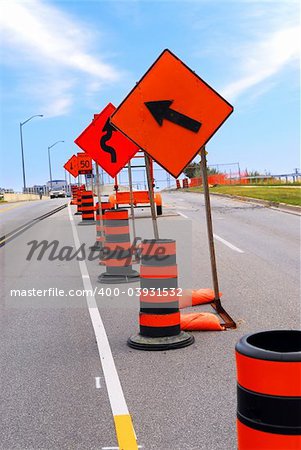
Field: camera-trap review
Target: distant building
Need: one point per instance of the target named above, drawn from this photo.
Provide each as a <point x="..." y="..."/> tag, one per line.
<point x="35" y="189"/>
<point x="6" y="190"/>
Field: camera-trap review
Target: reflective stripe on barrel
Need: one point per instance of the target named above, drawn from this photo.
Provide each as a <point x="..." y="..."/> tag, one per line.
<point x="159" y="325"/>
<point x="116" y="214"/>
<point x="158" y="272"/>
<point x="105" y="206"/>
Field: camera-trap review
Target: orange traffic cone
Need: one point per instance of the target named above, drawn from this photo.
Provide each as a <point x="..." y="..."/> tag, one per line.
<point x="200" y="322"/>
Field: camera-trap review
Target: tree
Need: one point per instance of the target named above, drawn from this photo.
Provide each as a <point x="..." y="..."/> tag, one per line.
<point x="193" y="170"/>
<point x="252" y="173"/>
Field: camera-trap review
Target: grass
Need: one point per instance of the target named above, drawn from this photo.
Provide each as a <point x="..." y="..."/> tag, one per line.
<point x="288" y="195"/>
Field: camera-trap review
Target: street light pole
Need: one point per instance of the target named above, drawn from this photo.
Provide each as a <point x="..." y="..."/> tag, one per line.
<point x="49" y="161"/>
<point x="22" y="153"/>
<point x="22" y="148"/>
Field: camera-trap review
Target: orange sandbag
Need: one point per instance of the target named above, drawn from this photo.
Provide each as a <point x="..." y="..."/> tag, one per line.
<point x="200" y="322"/>
<point x="193" y="297"/>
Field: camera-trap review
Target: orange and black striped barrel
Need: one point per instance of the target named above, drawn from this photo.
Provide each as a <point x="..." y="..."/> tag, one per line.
<point x="159" y="317"/>
<point x="269" y="390"/>
<point x="178" y="184"/>
<point x="100" y="237"/>
<point x="105" y="206"/>
<point x="185" y="183"/>
<point x="79" y="201"/>
<point x="118" y="250"/>
<point x="87" y="205"/>
<point x="99" y="242"/>
<point x="159" y="314"/>
<point x="74" y="189"/>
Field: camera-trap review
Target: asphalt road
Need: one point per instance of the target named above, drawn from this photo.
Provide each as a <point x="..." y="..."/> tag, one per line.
<point x="181" y="399"/>
<point x="13" y="215"/>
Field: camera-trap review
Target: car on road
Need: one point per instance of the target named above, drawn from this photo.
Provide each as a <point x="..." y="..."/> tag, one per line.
<point x="57" y="194"/>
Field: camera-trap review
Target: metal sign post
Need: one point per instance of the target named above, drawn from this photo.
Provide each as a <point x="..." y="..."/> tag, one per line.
<point x="91" y="181"/>
<point x="209" y="223"/>
<point x="229" y="323"/>
<point x="132" y="199"/>
<point x="98" y="192"/>
<point x="151" y="196"/>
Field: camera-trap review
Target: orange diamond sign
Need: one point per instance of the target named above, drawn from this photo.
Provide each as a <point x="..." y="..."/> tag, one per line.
<point x="106" y="145"/>
<point x="171" y="113"/>
<point x="71" y="166"/>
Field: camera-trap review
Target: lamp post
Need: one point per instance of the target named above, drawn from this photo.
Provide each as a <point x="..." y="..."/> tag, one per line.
<point x="22" y="149"/>
<point x="49" y="161"/>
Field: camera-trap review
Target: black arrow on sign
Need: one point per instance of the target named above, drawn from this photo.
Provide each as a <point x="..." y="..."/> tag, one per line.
<point x="106" y="137"/>
<point x="161" y="110"/>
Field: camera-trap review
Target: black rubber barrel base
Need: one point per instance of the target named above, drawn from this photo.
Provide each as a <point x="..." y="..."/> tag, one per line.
<point x="96" y="246"/>
<point x="87" y="222"/>
<point x="108" y="278"/>
<point x="181" y="340"/>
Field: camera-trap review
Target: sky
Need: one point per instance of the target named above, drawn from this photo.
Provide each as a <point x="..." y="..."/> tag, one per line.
<point x="68" y="59"/>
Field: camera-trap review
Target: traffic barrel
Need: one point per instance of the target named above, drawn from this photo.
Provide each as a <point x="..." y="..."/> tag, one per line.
<point x="185" y="183"/>
<point x="87" y="208"/>
<point x="117" y="255"/>
<point x="100" y="236"/>
<point x="159" y="318"/>
<point x="178" y="184"/>
<point x="79" y="202"/>
<point x="74" y="189"/>
<point x="105" y="206"/>
<point x="269" y="390"/>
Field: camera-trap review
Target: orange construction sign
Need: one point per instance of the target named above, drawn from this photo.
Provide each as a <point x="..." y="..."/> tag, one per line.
<point x="84" y="163"/>
<point x="171" y="113"/>
<point x="72" y="166"/>
<point x="107" y="146"/>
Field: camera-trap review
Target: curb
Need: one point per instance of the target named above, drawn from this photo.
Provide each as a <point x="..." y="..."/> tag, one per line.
<point x="283" y="207"/>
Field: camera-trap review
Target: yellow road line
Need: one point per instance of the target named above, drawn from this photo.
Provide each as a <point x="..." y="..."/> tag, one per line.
<point x="125" y="432"/>
<point x="9" y="208"/>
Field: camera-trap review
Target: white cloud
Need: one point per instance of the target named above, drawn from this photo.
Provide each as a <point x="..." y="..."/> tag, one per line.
<point x="263" y="59"/>
<point x="44" y="38"/>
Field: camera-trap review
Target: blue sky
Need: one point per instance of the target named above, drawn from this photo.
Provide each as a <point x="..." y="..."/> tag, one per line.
<point x="68" y="59"/>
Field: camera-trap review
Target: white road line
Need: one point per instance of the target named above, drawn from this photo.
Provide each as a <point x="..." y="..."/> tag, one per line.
<point x="115" y="393"/>
<point x="110" y="448"/>
<point x="117" y="448"/>
<point x="228" y="244"/>
<point x="183" y="215"/>
<point x="97" y="383"/>
<point x="218" y="238"/>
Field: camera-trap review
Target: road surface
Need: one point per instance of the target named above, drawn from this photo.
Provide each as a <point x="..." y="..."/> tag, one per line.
<point x="54" y="390"/>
